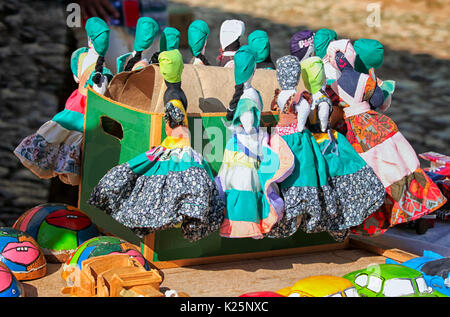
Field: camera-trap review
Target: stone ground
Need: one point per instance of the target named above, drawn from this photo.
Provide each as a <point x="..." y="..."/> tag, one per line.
<point x="35" y="46"/>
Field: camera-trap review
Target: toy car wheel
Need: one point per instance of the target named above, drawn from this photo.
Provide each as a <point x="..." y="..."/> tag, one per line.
<point x="421" y="226"/>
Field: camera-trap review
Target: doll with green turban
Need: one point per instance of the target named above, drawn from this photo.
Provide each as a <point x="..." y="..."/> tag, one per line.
<point x="322" y="39"/>
<point x="247" y="174"/>
<point x="170" y="40"/>
<point x="169" y="186"/>
<point x="259" y="42"/>
<point x="146" y="30"/>
<point x="369" y="57"/>
<point x="198" y="33"/>
<point x="55" y="149"/>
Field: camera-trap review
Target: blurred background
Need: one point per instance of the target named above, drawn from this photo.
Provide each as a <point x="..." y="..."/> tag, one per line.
<point x="35" y="77"/>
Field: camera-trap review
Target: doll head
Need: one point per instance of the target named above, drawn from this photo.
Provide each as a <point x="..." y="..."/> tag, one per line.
<point x="198" y="33"/>
<point x="322" y="39"/>
<point x="302" y="44"/>
<point x="259" y="42"/>
<point x="346" y="48"/>
<point x="230" y="32"/>
<point x="288" y="75"/>
<point x="170" y="39"/>
<point x="98" y="33"/>
<point x="369" y="54"/>
<point x="146" y="30"/>
<point x="313" y="74"/>
<point x="171" y="67"/>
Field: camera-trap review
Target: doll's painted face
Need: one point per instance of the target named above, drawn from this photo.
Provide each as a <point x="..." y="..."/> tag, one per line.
<point x="19" y="251"/>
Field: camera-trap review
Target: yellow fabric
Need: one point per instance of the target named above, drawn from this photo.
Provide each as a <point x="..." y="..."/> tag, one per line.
<point x="233" y="158"/>
<point x="320" y="137"/>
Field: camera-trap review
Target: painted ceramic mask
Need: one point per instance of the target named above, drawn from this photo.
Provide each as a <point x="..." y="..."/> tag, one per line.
<point x="98" y="246"/>
<point x="21" y="254"/>
<point x="9" y="285"/>
<point x="58" y="228"/>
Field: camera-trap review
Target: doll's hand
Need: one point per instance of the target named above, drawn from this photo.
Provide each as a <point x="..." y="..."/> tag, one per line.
<point x="324" y="115"/>
<point x="102" y="85"/>
<point x="303" y="109"/>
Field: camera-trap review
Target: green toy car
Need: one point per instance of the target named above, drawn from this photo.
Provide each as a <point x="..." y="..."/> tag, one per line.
<point x="390" y="280"/>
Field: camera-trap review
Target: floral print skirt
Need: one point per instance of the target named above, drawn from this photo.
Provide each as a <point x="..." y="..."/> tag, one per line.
<point x="160" y="189"/>
<point x="52" y="151"/>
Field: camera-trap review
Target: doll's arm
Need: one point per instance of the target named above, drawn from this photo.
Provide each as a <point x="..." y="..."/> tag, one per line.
<point x="247" y="120"/>
<point x="303" y="108"/>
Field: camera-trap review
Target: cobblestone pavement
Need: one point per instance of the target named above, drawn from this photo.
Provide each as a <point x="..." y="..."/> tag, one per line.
<point x="35" y="46"/>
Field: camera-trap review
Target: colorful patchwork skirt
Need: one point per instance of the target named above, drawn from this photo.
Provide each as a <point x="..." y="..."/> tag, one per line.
<point x="160" y="189"/>
<point x="55" y="149"/>
<point x="331" y="188"/>
<point x="411" y="194"/>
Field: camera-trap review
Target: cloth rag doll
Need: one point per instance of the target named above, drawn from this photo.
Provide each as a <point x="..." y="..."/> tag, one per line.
<point x="55" y="149"/>
<point x="249" y="167"/>
<point x="146" y="30"/>
<point x="230" y="33"/>
<point x="259" y="42"/>
<point x="331" y="188"/>
<point x="411" y="194"/>
<point x="198" y="33"/>
<point x="301" y="44"/>
<point x="169" y="184"/>
<point x="322" y="39"/>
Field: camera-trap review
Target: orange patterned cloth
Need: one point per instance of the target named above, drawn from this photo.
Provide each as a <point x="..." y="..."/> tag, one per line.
<point x="369" y="129"/>
<point x="410" y="198"/>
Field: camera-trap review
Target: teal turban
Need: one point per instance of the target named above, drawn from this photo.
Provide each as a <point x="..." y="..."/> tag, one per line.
<point x="98" y="31"/>
<point x="259" y="42"/>
<point x="322" y="39"/>
<point x="369" y="54"/>
<point x="244" y="64"/>
<point x="170" y="39"/>
<point x="146" y="30"/>
<point x="197" y="35"/>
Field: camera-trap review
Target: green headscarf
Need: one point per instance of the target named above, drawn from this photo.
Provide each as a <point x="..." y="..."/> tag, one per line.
<point x="244" y="64"/>
<point x="322" y="39"/>
<point x="146" y="30"/>
<point x="313" y="74"/>
<point x="170" y="39"/>
<point x="98" y="31"/>
<point x="259" y="42"/>
<point x="198" y="33"/>
<point x="171" y="65"/>
<point x="369" y="54"/>
<point x="74" y="59"/>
